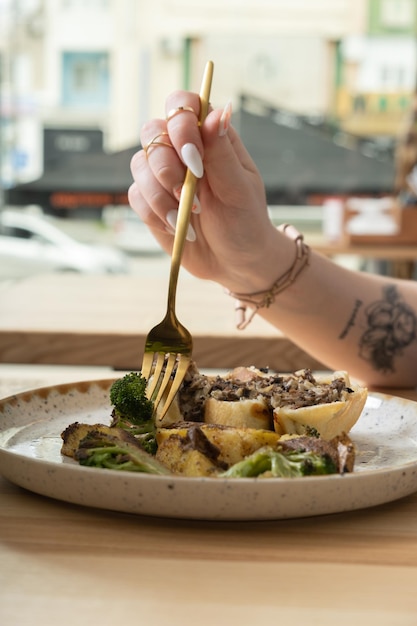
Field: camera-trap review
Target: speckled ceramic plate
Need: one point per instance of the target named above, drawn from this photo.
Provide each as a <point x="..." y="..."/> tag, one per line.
<point x="31" y="423"/>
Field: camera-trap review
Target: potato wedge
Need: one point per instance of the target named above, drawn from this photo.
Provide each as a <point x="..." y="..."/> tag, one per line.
<point x="230" y="445"/>
<point x="177" y="456"/>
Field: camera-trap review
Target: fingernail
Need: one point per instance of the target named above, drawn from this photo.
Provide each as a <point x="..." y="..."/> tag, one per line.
<point x="196" y="208"/>
<point x="177" y="191"/>
<point x="224" y="121"/>
<point x="171" y="218"/>
<point x="169" y="230"/>
<point x="192" y="159"/>
<point x="191" y="236"/>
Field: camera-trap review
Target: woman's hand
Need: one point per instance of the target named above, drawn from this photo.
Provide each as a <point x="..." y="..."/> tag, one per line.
<point x="230" y="232"/>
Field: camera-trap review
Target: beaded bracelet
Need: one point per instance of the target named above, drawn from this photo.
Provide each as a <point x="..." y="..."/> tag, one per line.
<point x="264" y="299"/>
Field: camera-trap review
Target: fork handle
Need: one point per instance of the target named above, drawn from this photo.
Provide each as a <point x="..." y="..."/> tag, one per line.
<point x="187" y="197"/>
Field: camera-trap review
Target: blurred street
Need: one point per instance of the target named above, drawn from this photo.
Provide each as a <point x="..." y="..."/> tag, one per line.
<point x="122" y="232"/>
<point x="151" y="260"/>
<point x="32" y="243"/>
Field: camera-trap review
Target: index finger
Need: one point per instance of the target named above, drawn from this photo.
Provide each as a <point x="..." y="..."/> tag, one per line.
<point x="182" y="114"/>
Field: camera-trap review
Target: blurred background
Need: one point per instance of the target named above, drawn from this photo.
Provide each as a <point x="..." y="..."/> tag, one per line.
<point x="321" y="89"/>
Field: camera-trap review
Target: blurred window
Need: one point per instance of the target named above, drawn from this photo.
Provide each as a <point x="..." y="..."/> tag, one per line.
<point x="404" y="103"/>
<point x="359" y="103"/>
<point x="382" y="104"/>
<point x="396" y="13"/>
<point x="85" y="78"/>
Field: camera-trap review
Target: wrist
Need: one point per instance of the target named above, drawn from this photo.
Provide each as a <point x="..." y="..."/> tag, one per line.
<point x="263" y="298"/>
<point x="257" y="272"/>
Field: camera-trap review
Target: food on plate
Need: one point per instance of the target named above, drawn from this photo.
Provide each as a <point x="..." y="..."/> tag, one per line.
<point x="108" y="447"/>
<point x="249" y="422"/>
<point x="297" y="403"/>
<point x="297" y="457"/>
<point x="132" y="410"/>
<point x="194" y="449"/>
<point x="198" y="449"/>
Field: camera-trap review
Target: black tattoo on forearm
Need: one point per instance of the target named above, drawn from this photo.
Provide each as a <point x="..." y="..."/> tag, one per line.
<point x="391" y="327"/>
<point x="351" y="321"/>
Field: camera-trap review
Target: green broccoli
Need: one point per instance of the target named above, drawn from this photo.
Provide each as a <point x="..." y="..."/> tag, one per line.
<point x="282" y="464"/>
<point x="119" y="451"/>
<point x="132" y="410"/>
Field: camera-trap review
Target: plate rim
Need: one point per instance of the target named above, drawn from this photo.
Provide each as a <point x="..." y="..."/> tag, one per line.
<point x="243" y="484"/>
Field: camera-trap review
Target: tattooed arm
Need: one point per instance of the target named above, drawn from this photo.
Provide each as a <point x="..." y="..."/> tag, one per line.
<point x="364" y="323"/>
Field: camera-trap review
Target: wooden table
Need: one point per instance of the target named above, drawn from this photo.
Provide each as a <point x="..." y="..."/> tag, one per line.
<point x="401" y="258"/>
<point x="103" y="320"/>
<point x="72" y="565"/>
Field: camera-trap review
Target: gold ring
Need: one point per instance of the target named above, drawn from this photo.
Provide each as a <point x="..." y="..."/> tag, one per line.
<point x="154" y="142"/>
<point x="173" y="112"/>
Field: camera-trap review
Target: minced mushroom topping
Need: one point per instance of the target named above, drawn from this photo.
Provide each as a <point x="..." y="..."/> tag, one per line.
<point x="295" y="390"/>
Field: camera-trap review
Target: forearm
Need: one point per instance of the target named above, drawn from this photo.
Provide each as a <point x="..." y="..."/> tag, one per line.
<point x="355" y="321"/>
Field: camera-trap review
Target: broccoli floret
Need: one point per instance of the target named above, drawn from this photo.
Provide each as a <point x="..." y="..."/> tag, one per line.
<point x="132" y="410"/>
<point x="128" y="396"/>
<point x="282" y="464"/>
<point x="115" y="452"/>
<point x="148" y="442"/>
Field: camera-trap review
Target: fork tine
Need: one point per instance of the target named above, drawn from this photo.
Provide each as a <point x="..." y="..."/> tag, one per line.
<point x="147" y="363"/>
<point x="167" y="375"/>
<point x="154" y="382"/>
<point x="183" y="363"/>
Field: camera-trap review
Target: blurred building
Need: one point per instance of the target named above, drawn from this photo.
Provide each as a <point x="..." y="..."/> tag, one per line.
<point x="72" y="70"/>
<point x="377" y="70"/>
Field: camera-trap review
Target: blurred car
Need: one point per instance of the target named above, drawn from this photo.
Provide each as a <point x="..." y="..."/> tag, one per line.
<point x="133" y="237"/>
<point x="31" y="244"/>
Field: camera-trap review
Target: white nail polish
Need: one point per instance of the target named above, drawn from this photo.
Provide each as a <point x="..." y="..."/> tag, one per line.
<point x="191" y="236"/>
<point x="171" y="218"/>
<point x="192" y="159"/>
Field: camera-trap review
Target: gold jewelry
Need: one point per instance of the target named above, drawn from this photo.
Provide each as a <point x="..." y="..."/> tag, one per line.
<point x="154" y="142"/>
<point x="264" y="299"/>
<point x="173" y="112"/>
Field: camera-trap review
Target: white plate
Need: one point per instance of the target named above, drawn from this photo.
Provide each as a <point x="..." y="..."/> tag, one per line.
<point x="31" y="423"/>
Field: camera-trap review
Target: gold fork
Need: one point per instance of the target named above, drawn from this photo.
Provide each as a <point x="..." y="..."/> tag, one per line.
<point x="168" y="346"/>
